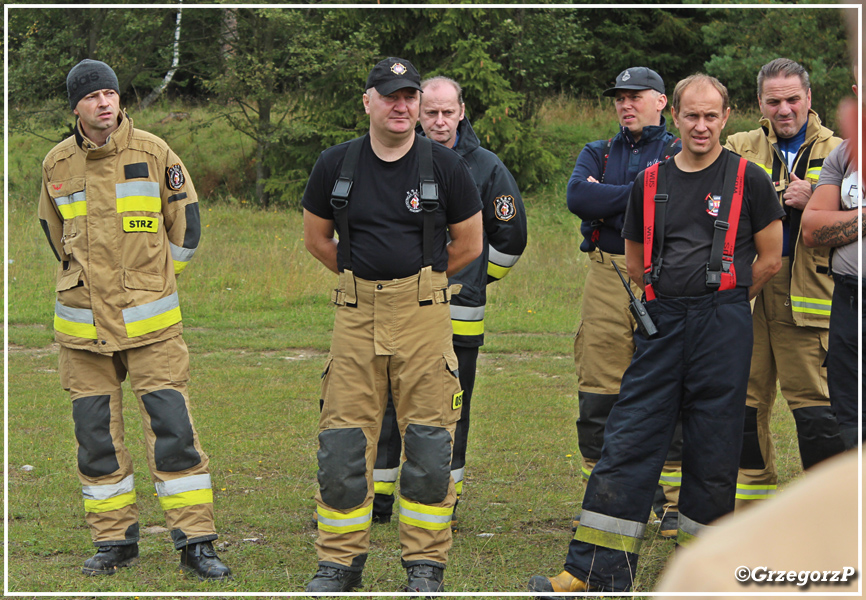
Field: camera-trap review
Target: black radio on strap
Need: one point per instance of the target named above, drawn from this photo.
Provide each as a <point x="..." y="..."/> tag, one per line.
<point x="428" y="197"/>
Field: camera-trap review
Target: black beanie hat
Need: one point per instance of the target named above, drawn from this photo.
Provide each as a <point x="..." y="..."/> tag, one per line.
<point x="89" y="76"/>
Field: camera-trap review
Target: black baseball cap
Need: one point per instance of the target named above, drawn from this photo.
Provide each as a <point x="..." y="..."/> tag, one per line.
<point x="393" y="74"/>
<point x="637" y="78"/>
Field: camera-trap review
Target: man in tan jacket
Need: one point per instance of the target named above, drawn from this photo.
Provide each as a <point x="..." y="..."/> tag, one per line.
<point x="792" y="313"/>
<point x="121" y="216"/>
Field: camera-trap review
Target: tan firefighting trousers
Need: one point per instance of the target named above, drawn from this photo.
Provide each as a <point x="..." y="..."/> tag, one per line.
<point x="158" y="373"/>
<point x="603" y="349"/>
<point x="398" y="332"/>
<point x="793" y="355"/>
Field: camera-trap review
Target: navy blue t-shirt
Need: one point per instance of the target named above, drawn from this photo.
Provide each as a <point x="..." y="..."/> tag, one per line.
<point x="385" y="215"/>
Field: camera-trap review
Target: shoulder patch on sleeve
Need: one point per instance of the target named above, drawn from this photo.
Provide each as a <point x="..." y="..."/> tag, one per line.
<point x="505" y="209"/>
<point x="174" y="177"/>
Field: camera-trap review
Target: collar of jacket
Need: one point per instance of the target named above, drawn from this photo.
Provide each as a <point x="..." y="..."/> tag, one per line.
<point x="118" y="140"/>
<point x="468" y="140"/>
<point x="814" y="129"/>
<point x="649" y="134"/>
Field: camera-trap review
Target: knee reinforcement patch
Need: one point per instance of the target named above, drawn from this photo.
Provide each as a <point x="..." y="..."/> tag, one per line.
<point x="174" y="449"/>
<point x="593" y="409"/>
<point x="425" y="474"/>
<point x="817" y="434"/>
<point x="96" y="454"/>
<point x="751" y="457"/>
<point x="342" y="467"/>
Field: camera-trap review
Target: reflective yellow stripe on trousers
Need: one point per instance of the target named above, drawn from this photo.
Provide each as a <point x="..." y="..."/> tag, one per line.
<point x="104" y="498"/>
<point x="385" y="481"/>
<point x="610" y="532"/>
<point x="337" y="522"/>
<point x="754" y="492"/>
<point x="434" y="518"/>
<point x="185" y="491"/>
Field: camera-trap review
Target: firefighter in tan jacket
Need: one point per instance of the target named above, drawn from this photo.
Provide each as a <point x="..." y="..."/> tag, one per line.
<point x="792" y="313"/>
<point x="121" y="216"/>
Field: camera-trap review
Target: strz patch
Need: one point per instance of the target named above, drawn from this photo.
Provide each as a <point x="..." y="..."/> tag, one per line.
<point x="134" y="224"/>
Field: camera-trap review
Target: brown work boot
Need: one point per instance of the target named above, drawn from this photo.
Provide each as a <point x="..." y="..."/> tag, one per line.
<point x="564" y="582"/>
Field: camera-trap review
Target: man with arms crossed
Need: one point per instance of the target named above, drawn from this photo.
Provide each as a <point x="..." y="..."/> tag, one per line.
<point x="598" y="193"/>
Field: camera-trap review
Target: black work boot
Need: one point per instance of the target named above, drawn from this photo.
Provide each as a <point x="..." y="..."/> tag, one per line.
<point x="330" y="578"/>
<point x="202" y="560"/>
<point x="425" y="578"/>
<point x="108" y="558"/>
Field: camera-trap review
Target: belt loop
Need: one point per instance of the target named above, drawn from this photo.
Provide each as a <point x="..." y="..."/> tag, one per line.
<point x="347" y="286"/>
<point x="425" y="284"/>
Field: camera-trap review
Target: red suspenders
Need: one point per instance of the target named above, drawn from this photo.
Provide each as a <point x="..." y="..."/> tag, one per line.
<point x="720" y="268"/>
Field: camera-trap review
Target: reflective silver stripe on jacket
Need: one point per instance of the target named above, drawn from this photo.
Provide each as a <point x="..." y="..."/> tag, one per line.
<point x="609" y="524"/>
<point x="104" y="492"/>
<point x="502" y="259"/>
<point x="74" y="315"/>
<point x="151" y="309"/>
<point x="467" y="313"/>
<point x="181" y="254"/>
<point x="76" y="197"/>
<point x="184" y="484"/>
<point x="149" y="189"/>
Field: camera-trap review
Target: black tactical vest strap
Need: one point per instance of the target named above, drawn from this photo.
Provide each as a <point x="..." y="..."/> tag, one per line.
<point x="428" y="196"/>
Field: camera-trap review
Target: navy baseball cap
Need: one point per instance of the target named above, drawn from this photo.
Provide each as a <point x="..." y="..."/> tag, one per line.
<point x="393" y="74"/>
<point x="637" y="78"/>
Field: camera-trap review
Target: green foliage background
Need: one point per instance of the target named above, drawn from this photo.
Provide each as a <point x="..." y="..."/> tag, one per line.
<point x="291" y="79"/>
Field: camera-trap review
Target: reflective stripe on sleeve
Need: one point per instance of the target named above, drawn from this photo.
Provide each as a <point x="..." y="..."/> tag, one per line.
<point x="72" y="206"/>
<point x="813" y="306"/>
<point x="152" y="316"/>
<point x="77" y="322"/>
<point x="181" y="257"/>
<point x="337" y="522"/>
<point x="755" y="492"/>
<point x="467" y="320"/>
<point x="183" y="484"/>
<point x="499" y="263"/>
<point x="769" y="169"/>
<point x="457" y="475"/>
<point x="433" y="518"/>
<point x="814" y="173"/>
<point x="138" y="195"/>
<point x="610" y="532"/>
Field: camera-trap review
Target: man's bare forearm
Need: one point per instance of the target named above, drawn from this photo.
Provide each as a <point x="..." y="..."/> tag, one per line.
<point x="838" y="233"/>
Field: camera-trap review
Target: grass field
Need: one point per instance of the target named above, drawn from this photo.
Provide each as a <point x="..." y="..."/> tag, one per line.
<point x="258" y="323"/>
